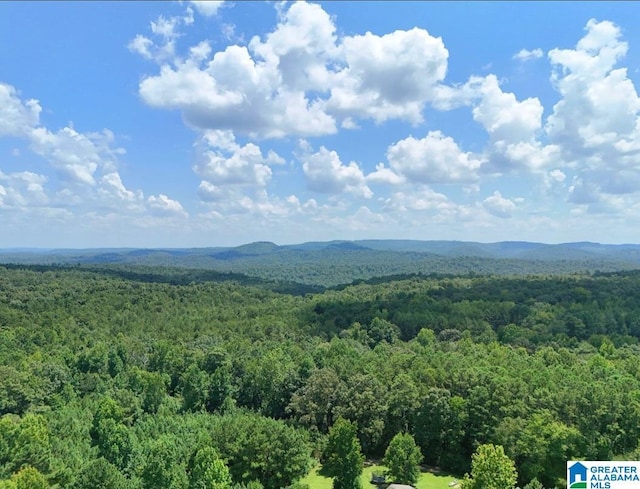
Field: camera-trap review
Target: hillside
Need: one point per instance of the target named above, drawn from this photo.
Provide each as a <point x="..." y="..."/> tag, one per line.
<point x="118" y="376"/>
<point x="341" y="262"/>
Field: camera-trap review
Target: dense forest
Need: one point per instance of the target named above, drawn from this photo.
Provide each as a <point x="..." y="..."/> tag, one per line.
<point x="340" y="262"/>
<point x="131" y="377"/>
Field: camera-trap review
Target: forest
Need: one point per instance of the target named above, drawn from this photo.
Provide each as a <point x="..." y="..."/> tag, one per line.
<point x="123" y="376"/>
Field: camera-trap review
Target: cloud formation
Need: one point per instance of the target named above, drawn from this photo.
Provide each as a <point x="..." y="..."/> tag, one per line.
<point x="436" y="158"/>
<point x="301" y="79"/>
<point x="314" y="123"/>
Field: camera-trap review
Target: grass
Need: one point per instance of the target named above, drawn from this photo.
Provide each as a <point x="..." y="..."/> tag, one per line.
<point x="428" y="480"/>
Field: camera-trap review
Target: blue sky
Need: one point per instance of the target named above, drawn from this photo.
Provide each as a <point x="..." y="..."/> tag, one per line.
<point x="180" y="124"/>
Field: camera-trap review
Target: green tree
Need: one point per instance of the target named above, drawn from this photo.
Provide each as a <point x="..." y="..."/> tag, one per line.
<point x="32" y="445"/>
<point x="402" y="459"/>
<point x="315" y="404"/>
<point x="208" y="471"/>
<point x="100" y="473"/>
<point x="151" y="387"/>
<point x="342" y="459"/>
<point x="491" y="468"/>
<point x="162" y="467"/>
<point x="195" y="388"/>
<point x="534" y="484"/>
<point x="29" y="478"/>
<point x="110" y="434"/>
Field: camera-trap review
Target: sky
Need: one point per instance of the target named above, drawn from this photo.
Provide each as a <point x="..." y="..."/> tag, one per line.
<point x="202" y="123"/>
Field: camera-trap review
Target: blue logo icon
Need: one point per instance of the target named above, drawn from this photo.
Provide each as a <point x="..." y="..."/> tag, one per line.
<point x="577" y="476"/>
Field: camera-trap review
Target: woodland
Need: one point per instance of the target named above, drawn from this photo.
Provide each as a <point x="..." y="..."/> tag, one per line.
<point x="124" y="376"/>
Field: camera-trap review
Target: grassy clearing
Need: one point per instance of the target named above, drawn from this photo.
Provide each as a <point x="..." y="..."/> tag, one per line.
<point x="428" y="480"/>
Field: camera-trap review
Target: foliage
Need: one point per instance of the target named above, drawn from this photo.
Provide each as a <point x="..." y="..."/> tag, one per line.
<point x="490" y="469"/>
<point x="100" y="473"/>
<point x="29" y="478"/>
<point x="208" y="471"/>
<point x="120" y="374"/>
<point x="403" y="459"/>
<point x="342" y="459"/>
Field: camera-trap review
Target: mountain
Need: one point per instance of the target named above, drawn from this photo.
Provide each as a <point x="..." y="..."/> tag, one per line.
<point x="339" y="262"/>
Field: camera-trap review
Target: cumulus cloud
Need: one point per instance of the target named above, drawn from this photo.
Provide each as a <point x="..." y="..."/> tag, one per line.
<point x="526" y="55"/>
<point x="111" y="185"/>
<point x="502" y="115"/>
<point x="21" y="189"/>
<point x="390" y="76"/>
<point x="436" y="158"/>
<point x="86" y="181"/>
<point x="166" y="31"/>
<point x="301" y="78"/>
<point x="385" y="175"/>
<point x="75" y="155"/>
<point x="599" y="104"/>
<point x="164" y="206"/>
<point x="208" y="8"/>
<point x="224" y="162"/>
<point x="257" y="90"/>
<point x="420" y="198"/>
<point x="596" y="122"/>
<point x="499" y="206"/>
<point x="17" y="117"/>
<point x="325" y="173"/>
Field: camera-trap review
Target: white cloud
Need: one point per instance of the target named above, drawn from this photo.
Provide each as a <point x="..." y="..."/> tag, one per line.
<point x="75" y="155"/>
<point x="223" y="162"/>
<point x="325" y="173"/>
<point x="233" y="92"/>
<point x="111" y="185"/>
<point x="526" y="55"/>
<point x="300" y="47"/>
<point x="499" y="206"/>
<point x="599" y="104"/>
<point x="142" y="45"/>
<point x="596" y="122"/>
<point x="17" y="117"/>
<point x="300" y="78"/>
<point x="436" y="158"/>
<point x="164" y="206"/>
<point x="166" y="31"/>
<point x="502" y="115"/>
<point x="87" y="183"/>
<point x="208" y="8"/>
<point x="21" y="189"/>
<point x="385" y="175"/>
<point x="421" y="198"/>
<point x="258" y="90"/>
<point x="390" y="76"/>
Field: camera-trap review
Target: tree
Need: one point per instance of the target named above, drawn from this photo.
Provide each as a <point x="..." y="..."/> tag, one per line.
<point x="491" y="468"/>
<point x="110" y="434"/>
<point x="402" y="459"/>
<point x="195" y="388"/>
<point x="32" y="445"/>
<point x="29" y="478"/>
<point x="162" y="467"/>
<point x="315" y="404"/>
<point x="100" y="473"/>
<point x="534" y="484"/>
<point x="208" y="471"/>
<point x="342" y="459"/>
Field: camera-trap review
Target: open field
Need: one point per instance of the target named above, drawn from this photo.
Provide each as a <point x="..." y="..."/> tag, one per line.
<point x="428" y="480"/>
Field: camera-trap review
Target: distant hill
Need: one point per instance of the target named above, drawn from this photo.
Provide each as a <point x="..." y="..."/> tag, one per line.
<point x="339" y="262"/>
